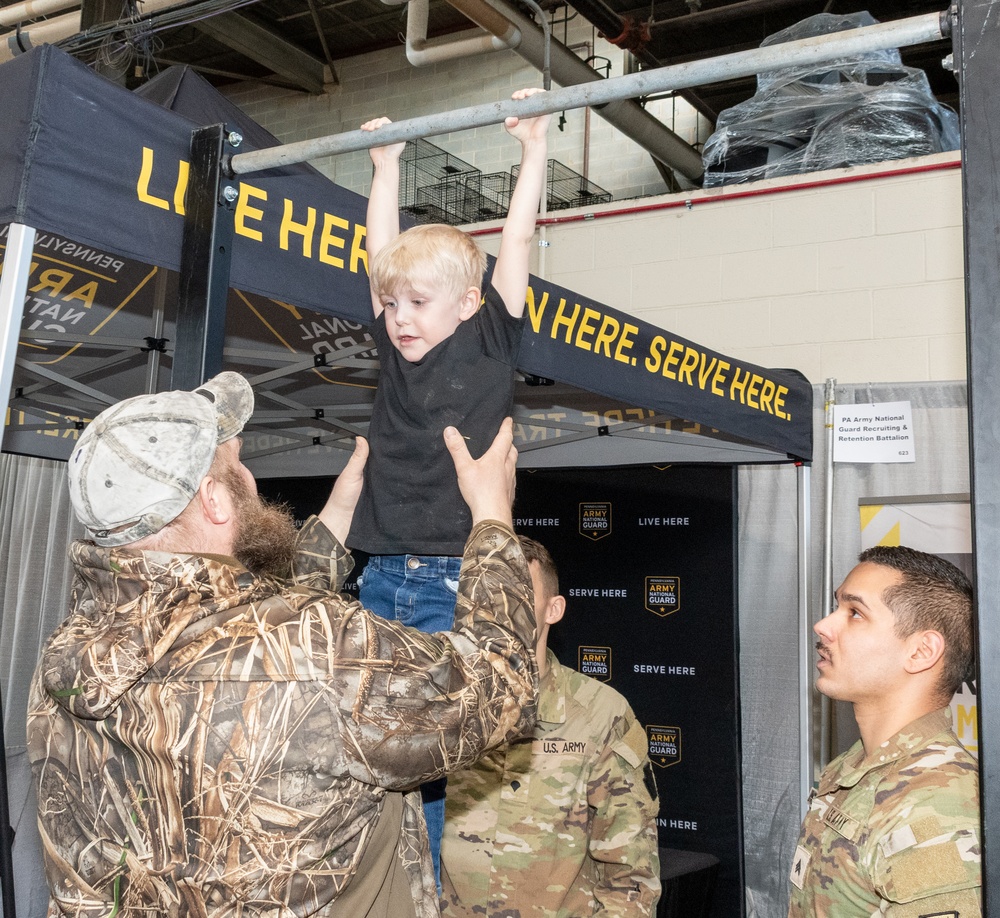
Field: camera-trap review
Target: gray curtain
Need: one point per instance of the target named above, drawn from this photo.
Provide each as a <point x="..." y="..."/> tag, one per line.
<point x="768" y="600"/>
<point x="36" y="527"/>
<point x="768" y="604"/>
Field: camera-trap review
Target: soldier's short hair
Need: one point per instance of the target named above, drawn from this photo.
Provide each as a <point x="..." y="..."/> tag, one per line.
<point x="535" y="551"/>
<point x="933" y="595"/>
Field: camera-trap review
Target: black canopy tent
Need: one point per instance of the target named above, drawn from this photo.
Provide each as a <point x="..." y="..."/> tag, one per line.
<point x="623" y="392"/>
<point x="300" y="240"/>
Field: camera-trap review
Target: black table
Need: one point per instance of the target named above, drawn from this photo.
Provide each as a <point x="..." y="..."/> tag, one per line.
<point x="688" y="879"/>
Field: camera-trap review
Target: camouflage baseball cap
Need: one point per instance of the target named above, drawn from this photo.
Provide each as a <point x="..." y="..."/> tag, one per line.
<point x="139" y="463"/>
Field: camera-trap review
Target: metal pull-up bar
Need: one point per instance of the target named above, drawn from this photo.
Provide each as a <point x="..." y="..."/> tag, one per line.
<point x="808" y="51"/>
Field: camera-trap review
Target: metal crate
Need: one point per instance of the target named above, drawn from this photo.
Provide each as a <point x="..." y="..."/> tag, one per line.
<point x="423" y="164"/>
<point x="427" y="212"/>
<point x="566" y="188"/>
<point x="496" y="189"/>
<point x="454" y="200"/>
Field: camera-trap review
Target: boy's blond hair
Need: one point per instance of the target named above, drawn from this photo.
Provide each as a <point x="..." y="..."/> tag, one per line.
<point x="432" y="252"/>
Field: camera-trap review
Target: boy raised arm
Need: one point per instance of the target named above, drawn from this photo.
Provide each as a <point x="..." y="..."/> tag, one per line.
<point x="383" y="202"/>
<point x="510" y="274"/>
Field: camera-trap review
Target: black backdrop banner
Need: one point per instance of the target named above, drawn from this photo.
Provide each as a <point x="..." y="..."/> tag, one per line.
<point x="647" y="563"/>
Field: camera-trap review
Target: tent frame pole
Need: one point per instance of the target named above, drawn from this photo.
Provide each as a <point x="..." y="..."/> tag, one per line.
<point x="154" y="345"/>
<point x="806" y="757"/>
<point x="899" y="34"/>
<point x="976" y="54"/>
<point x="824" y="741"/>
<point x="206" y="252"/>
<point x="13" y="289"/>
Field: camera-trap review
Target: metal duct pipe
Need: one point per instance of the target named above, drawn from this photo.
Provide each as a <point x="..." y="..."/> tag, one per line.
<point x="721" y="14"/>
<point x="568" y="70"/>
<point x="607" y="21"/>
<point x="803" y="53"/>
<point x="611" y="24"/>
<point x="484" y="16"/>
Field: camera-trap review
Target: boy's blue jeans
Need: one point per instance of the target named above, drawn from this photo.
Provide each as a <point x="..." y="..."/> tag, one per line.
<point x="419" y="591"/>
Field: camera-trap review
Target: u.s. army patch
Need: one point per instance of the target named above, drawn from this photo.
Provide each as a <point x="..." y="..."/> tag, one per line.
<point x="840" y="822"/>
<point x="557" y="745"/>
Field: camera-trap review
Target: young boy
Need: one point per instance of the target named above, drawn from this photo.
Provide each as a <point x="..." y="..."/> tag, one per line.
<point x="445" y="360"/>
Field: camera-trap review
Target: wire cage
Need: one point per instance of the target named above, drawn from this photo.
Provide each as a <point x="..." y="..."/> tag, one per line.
<point x="438" y="187"/>
<point x="431" y="181"/>
<point x="496" y="189"/>
<point x="428" y="212"/>
<point x="464" y="199"/>
<point x="455" y="201"/>
<point x="566" y="188"/>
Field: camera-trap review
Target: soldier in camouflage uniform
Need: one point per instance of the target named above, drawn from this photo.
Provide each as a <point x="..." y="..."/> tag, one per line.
<point x="561" y="824"/>
<point x="209" y="741"/>
<point x="893" y="825"/>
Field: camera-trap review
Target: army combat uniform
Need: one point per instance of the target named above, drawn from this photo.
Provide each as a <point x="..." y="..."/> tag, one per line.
<point x="561" y="824"/>
<point x="210" y="743"/>
<point x="895" y="833"/>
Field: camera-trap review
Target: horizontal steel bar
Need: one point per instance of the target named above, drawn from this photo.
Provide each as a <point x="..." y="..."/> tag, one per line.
<point x="899" y="34"/>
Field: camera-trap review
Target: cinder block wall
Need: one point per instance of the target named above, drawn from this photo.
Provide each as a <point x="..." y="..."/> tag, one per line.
<point x="861" y="281"/>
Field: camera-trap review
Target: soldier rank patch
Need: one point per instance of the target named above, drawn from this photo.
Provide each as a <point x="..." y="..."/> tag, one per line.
<point x="799" y="866"/>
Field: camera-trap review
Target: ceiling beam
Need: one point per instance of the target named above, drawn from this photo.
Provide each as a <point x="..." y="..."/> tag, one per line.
<point x="267" y="48"/>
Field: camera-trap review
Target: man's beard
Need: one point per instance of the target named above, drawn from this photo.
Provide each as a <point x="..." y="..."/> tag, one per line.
<point x="265" y="533"/>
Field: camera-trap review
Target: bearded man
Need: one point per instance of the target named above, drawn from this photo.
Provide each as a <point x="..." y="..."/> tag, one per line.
<point x="214" y="730"/>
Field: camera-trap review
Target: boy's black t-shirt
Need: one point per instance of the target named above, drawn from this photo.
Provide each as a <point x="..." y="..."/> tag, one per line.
<point x="410" y="503"/>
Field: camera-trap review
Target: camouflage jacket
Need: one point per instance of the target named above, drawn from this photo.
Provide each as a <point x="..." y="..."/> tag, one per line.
<point x="209" y="743"/>
<point x="893" y="833"/>
<point x="562" y="824"/>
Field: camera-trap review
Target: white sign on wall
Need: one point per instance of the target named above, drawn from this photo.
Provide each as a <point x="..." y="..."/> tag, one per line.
<point x="873" y="433"/>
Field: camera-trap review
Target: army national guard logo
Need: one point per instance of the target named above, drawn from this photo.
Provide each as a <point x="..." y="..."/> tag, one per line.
<point x="663" y="595"/>
<point x="595" y="519"/>
<point x="595" y="662"/>
<point x="664" y="745"/>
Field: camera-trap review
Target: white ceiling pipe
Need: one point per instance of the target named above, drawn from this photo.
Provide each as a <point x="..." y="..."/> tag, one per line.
<point x="39" y="33"/>
<point x="33" y="9"/>
<point x="420" y="52"/>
